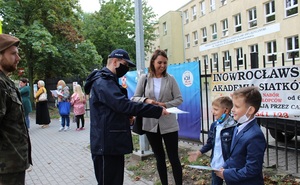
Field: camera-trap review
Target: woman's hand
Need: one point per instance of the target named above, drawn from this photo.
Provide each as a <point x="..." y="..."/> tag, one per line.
<point x="153" y="102"/>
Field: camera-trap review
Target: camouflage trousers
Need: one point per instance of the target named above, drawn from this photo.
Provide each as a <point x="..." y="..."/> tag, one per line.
<point x="12" y="178"/>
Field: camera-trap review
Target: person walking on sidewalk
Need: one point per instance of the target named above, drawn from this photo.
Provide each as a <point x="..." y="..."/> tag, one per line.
<point x="15" y="155"/>
<point x="110" y="108"/>
<point x="78" y="102"/>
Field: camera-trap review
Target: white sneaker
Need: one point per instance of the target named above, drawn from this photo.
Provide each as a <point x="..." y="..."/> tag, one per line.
<point x="67" y="128"/>
<point x="61" y="129"/>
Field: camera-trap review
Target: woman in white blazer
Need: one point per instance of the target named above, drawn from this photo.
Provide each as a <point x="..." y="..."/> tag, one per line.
<point x="161" y="89"/>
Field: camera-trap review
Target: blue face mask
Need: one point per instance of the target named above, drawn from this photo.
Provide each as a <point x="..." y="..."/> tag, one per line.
<point x="222" y="118"/>
<point x="59" y="87"/>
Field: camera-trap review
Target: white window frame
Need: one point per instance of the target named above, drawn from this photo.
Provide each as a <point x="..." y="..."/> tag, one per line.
<point x="291" y="5"/>
<point x="292" y="46"/>
<point x="225" y="27"/>
<point x="214" y="34"/>
<point x="271" y="48"/>
<point x="202" y="7"/>
<point x="239" y="56"/>
<point x="212" y="4"/>
<point x="165" y="28"/>
<point x="237" y="23"/>
<point x="215" y="60"/>
<point x="196" y="38"/>
<point x="206" y="62"/>
<point x="226" y="55"/>
<point x="186" y="16"/>
<point x="204" y="35"/>
<point x="270" y="11"/>
<point x="253" y="48"/>
<point x="187" y="41"/>
<point x="252" y="21"/>
<point x="194" y="12"/>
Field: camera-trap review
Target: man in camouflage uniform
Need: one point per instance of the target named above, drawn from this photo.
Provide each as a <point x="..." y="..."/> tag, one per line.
<point x="15" y="149"/>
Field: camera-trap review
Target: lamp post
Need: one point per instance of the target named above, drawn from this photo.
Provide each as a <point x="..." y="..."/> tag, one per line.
<point x="140" y="67"/>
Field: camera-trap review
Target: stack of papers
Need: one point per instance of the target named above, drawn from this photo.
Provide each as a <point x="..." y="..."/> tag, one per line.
<point x="56" y="93"/>
<point x="175" y="110"/>
<point x="203" y="167"/>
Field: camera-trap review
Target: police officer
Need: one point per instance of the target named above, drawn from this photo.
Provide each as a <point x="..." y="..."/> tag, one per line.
<point x="110" y="118"/>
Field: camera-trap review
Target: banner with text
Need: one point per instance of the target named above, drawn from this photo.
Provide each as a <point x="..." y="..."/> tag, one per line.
<point x="279" y="87"/>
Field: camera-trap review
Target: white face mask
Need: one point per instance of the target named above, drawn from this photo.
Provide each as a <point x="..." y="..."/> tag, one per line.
<point x="244" y="118"/>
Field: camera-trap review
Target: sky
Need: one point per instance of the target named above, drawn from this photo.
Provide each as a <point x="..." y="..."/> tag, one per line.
<point x="160" y="7"/>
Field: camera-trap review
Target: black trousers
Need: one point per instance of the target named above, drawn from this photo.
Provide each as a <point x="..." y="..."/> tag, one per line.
<point x="109" y="169"/>
<point x="13" y="178"/>
<point x="171" y="143"/>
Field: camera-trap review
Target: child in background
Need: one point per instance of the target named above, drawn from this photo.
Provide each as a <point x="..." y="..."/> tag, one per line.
<point x="78" y="101"/>
<point x="63" y="96"/>
<point x="64" y="107"/>
<point x="244" y="166"/>
<point x="219" y="136"/>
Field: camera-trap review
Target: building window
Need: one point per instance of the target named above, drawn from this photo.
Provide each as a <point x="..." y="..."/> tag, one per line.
<point x="270" y="11"/>
<point x="226" y="59"/>
<point x="223" y="2"/>
<point x="237" y="23"/>
<point x="194" y="11"/>
<point x="271" y="51"/>
<point x="195" y="35"/>
<point x="215" y="60"/>
<point x="252" y="18"/>
<point x="204" y="35"/>
<point x="239" y="56"/>
<point x="212" y="5"/>
<point x="292" y="49"/>
<point x="254" y="48"/>
<point x="186" y="16"/>
<point x="214" y="31"/>
<point x="187" y="41"/>
<point x="165" y="28"/>
<point x="205" y="60"/>
<point x="291" y="7"/>
<point x="202" y="7"/>
<point x="225" y="27"/>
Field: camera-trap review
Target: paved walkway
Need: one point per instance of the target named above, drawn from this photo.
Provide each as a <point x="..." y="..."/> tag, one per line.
<point x="63" y="158"/>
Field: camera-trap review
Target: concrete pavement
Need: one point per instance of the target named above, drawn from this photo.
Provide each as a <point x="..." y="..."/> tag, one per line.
<point x="63" y="158"/>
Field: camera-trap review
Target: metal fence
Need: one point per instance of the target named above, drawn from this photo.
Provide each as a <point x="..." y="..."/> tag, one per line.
<point x="281" y="135"/>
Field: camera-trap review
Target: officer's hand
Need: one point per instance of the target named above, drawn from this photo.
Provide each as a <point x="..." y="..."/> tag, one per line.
<point x="165" y="112"/>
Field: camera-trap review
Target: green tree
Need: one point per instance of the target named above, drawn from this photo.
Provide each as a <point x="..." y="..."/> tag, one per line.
<point x="113" y="26"/>
<point x="51" y="41"/>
